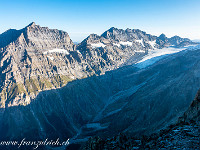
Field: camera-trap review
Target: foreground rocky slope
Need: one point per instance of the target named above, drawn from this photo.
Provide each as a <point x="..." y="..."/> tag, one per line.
<point x="179" y="136"/>
<point x="185" y="134"/>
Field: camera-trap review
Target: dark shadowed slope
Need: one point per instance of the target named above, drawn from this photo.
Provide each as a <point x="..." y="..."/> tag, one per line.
<point x="129" y="100"/>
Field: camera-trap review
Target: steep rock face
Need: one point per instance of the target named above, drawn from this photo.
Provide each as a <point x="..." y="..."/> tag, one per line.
<point x="193" y="112"/>
<point x="43" y="38"/>
<point x="177" y="41"/>
<point x="8" y="36"/>
<point x="25" y="69"/>
<point x="127" y="35"/>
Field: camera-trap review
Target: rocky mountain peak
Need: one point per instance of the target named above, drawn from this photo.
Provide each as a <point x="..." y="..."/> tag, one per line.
<point x="43" y="38"/>
<point x="93" y="36"/>
<point x="128" y="35"/>
<point x="162" y="37"/>
<point x="109" y="33"/>
<point x="24" y="54"/>
<point x="32" y="24"/>
<point x="112" y="29"/>
<point x="128" y="30"/>
<point x="38" y="38"/>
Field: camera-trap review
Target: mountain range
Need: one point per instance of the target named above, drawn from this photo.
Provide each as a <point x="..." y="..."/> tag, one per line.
<point x="37" y="58"/>
<point x="121" y="81"/>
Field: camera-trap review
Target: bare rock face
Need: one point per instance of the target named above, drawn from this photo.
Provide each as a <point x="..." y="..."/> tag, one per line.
<point x="193" y="112"/>
<point x="25" y="69"/>
<point x="127" y="35"/>
<point x="177" y="41"/>
<point x="43" y="38"/>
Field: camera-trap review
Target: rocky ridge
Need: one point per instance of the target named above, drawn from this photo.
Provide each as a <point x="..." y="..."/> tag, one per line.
<point x="37" y="58"/>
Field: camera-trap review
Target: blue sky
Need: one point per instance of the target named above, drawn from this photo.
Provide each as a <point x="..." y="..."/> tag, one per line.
<point x="83" y="17"/>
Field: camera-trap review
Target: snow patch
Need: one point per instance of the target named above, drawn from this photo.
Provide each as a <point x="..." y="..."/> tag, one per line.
<point x="51" y="57"/>
<point x="95" y="45"/>
<point x="152" y="43"/>
<point x="72" y="77"/>
<point x="140" y="41"/>
<point x="126" y="43"/>
<point x="57" y="51"/>
<point x="78" y="52"/>
<point x="116" y="44"/>
<point x="139" y="51"/>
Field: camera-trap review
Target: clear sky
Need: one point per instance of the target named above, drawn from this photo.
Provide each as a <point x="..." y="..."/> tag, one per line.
<point x="83" y="17"/>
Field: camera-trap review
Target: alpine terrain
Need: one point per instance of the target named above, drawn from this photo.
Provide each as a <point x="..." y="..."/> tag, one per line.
<point x="122" y="81"/>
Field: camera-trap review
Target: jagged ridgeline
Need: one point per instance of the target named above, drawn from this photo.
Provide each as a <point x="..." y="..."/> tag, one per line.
<point x="37" y="58"/>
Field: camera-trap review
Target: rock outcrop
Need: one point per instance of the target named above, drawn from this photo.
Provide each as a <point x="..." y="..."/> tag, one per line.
<point x="193" y="112"/>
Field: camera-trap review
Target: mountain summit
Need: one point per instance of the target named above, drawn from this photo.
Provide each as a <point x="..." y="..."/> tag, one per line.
<point x="25" y="69"/>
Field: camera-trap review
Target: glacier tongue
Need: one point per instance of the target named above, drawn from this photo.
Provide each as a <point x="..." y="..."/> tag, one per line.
<point x="157" y="54"/>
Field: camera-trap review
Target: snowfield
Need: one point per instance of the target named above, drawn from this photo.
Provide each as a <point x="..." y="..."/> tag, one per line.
<point x="152" y="43"/>
<point x="51" y="57"/>
<point x="140" y="51"/>
<point x="116" y="44"/>
<point x="57" y="51"/>
<point x="94" y="45"/>
<point x="141" y="42"/>
<point x="157" y="54"/>
<point x="126" y="43"/>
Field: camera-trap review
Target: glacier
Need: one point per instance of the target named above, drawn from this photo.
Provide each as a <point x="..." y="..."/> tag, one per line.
<point x="156" y="54"/>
